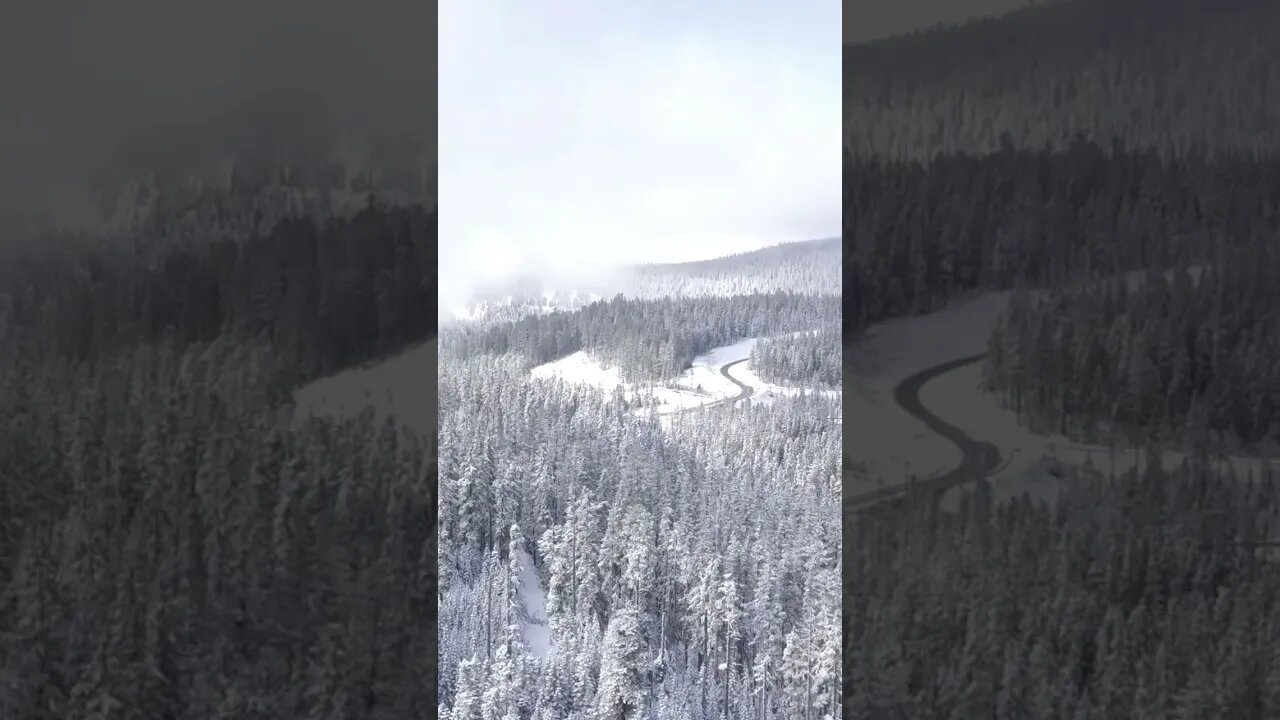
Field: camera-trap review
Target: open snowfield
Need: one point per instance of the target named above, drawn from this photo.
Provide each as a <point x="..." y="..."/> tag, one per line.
<point x="580" y="368"/>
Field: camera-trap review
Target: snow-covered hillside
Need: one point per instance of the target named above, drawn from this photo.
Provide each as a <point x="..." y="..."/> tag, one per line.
<point x="809" y="267"/>
<point x="514" y="307"/>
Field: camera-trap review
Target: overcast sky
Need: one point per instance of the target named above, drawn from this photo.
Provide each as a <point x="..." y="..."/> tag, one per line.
<point x="75" y="73"/>
<point x="873" y="19"/>
<point x="585" y="132"/>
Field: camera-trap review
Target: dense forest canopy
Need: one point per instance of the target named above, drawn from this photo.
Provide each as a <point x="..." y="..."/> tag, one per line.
<point x="810" y="359"/>
<point x="1187" y="359"/>
<point x="1154" y="596"/>
<point x="924" y="235"/>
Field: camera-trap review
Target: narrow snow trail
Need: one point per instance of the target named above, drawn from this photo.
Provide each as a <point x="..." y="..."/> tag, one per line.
<point x="537" y="633"/>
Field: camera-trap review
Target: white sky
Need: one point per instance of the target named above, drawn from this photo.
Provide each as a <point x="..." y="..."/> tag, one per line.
<point x="576" y="133"/>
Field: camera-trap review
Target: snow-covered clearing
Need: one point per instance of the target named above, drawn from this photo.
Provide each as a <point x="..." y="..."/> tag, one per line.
<point x="582" y="369"/>
<point x="537" y="632"/>
<point x="701" y="384"/>
<point x="404" y="385"/>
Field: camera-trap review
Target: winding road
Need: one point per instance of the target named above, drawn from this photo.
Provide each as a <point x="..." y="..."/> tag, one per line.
<point x="980" y="459"/>
<point x="744" y="391"/>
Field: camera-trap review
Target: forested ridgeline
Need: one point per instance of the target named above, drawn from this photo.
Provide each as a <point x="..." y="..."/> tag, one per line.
<point x="195" y="212"/>
<point x="1180" y="358"/>
<point x="693" y="574"/>
<point x="922" y="235"/>
<point x="1147" y="598"/>
<point x="807" y="268"/>
<point x="1164" y="74"/>
<point x="812" y="359"/>
<point x="172" y="544"/>
<point x="648" y="340"/>
<point x="326" y="295"/>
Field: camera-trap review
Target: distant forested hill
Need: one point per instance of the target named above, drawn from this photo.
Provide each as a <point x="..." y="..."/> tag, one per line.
<point x="1069" y="140"/>
<point x="1167" y="74"/>
<point x="809" y="267"/>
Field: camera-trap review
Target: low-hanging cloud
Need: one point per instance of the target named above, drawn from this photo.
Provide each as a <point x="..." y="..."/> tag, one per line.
<point x="77" y="74"/>
<point x="590" y="133"/>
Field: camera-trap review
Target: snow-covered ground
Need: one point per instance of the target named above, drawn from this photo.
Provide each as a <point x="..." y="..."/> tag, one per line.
<point x="887" y="444"/>
<point x="705" y="369"/>
<point x="403" y="386"/>
<point x="537" y="634"/>
<point x="580" y="368"/>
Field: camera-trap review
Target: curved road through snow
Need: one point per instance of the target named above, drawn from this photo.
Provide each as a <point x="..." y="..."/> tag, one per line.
<point x="744" y="391"/>
<point x="980" y="459"/>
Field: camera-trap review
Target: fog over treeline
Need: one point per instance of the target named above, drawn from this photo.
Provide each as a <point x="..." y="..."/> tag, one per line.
<point x="98" y="92"/>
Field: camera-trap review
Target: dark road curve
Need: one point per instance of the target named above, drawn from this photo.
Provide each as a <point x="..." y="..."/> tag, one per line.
<point x="744" y="391"/>
<point x="979" y="459"/>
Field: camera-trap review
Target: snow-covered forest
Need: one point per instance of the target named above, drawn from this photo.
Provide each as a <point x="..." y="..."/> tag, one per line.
<point x="596" y="563"/>
<point x="174" y="540"/>
<point x="1105" y="173"/>
<point x="1152" y="597"/>
<point x="1180" y="77"/>
<point x="1182" y="359"/>
<point x="810" y="358"/>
